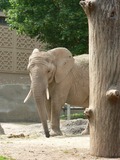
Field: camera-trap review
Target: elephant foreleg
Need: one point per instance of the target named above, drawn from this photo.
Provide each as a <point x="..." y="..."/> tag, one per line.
<point x="55" y="121"/>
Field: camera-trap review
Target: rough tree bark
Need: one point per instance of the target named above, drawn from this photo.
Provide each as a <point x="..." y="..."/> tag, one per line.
<point x="104" y="49"/>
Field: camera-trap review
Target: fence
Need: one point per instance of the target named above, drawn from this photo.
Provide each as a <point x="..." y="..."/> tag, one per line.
<point x="69" y="108"/>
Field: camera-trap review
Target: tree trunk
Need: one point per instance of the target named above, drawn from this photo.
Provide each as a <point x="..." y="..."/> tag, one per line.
<point x="104" y="49"/>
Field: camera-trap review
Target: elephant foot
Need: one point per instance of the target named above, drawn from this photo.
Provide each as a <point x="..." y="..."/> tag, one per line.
<point x="85" y="132"/>
<point x="54" y="133"/>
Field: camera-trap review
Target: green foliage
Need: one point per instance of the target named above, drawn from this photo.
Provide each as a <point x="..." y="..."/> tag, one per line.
<point x="4" y="4"/>
<point x="5" y="158"/>
<point x="74" y="116"/>
<point x="57" y="22"/>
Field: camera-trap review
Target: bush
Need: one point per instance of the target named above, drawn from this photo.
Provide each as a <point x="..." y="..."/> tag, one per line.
<point x="74" y="116"/>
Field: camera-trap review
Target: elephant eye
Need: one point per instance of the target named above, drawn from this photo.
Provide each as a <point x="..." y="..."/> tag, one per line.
<point x="32" y="65"/>
<point x="47" y="60"/>
<point x="48" y="71"/>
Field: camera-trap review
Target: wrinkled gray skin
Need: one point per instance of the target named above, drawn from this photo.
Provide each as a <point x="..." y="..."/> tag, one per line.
<point x="67" y="79"/>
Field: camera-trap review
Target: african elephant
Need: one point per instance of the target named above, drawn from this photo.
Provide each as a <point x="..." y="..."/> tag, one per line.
<point x="57" y="78"/>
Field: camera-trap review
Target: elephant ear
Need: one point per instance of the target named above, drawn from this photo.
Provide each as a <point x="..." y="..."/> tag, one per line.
<point x="64" y="63"/>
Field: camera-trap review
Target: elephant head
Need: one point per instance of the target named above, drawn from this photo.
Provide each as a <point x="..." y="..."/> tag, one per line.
<point x="45" y="68"/>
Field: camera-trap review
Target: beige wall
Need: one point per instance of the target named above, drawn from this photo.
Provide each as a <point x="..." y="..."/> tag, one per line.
<point x="14" y="79"/>
<point x="15" y="50"/>
<point x="2" y="14"/>
<point x="13" y="90"/>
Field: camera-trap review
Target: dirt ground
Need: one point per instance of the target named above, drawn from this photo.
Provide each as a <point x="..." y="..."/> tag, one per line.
<point x="26" y="141"/>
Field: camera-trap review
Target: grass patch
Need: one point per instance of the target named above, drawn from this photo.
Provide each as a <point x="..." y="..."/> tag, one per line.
<point x="74" y="116"/>
<point x="66" y="151"/>
<point x="5" y="158"/>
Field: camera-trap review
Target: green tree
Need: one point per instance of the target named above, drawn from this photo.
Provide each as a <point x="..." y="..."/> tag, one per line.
<point x="57" y="22"/>
<point x="4" y="4"/>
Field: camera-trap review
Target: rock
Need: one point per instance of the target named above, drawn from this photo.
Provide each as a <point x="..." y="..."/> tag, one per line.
<point x="73" y="127"/>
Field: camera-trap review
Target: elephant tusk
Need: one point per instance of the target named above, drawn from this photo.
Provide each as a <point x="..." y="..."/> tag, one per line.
<point x="28" y="96"/>
<point x="47" y="94"/>
<point x="30" y="92"/>
<point x="30" y="77"/>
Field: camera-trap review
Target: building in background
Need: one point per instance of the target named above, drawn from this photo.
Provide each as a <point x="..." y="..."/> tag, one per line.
<point x="14" y="80"/>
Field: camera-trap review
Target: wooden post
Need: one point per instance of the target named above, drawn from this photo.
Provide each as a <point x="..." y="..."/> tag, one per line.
<point x="68" y="112"/>
<point x="104" y="69"/>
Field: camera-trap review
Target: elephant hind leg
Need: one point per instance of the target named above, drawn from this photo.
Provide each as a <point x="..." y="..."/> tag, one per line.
<point x="87" y="129"/>
<point x="54" y="132"/>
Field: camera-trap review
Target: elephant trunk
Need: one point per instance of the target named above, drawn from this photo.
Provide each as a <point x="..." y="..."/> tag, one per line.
<point x="39" y="94"/>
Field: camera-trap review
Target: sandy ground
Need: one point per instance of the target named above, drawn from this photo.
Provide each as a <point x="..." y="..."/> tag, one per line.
<point x="23" y="141"/>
